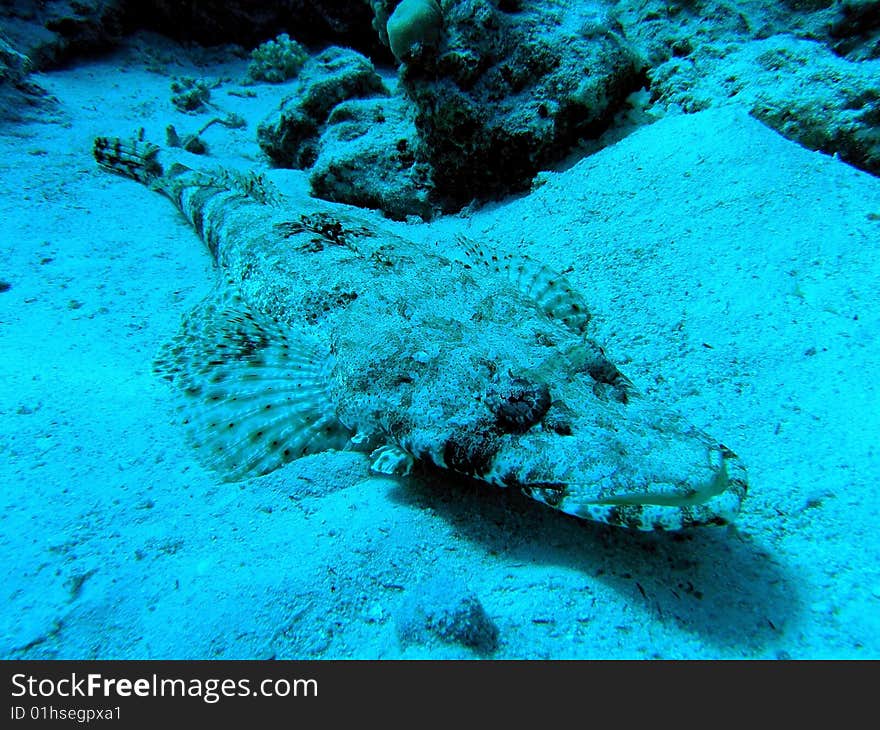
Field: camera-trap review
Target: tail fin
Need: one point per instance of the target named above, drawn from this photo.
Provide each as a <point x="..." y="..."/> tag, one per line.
<point x="132" y="158"/>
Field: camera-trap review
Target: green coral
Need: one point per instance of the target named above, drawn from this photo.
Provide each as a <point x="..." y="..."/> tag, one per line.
<point x="190" y="94"/>
<point x="277" y="60"/>
<point x="413" y="28"/>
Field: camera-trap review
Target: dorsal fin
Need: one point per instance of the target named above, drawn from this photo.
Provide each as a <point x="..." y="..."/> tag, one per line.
<point x="255" y="393"/>
<point x="255" y="186"/>
<point x="551" y="291"/>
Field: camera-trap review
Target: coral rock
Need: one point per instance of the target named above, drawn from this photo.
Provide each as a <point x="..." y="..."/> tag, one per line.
<point x="509" y="93"/>
<point x="799" y="88"/>
<point x="444" y="610"/>
<point x="289" y="136"/>
<point x="277" y="60"/>
<point x="368" y="156"/>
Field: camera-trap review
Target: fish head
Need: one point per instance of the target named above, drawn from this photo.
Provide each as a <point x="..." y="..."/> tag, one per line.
<point x="592" y="449"/>
<point x="631" y="465"/>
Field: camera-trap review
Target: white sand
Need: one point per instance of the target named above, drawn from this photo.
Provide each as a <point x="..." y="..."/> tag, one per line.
<point x="732" y="275"/>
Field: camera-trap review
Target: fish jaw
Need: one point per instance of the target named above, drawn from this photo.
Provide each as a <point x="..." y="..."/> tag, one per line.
<point x="715" y="498"/>
<point x="630" y="465"/>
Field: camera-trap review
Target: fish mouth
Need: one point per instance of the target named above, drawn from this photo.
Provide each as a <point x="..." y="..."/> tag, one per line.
<point x="662" y="507"/>
<point x="677" y="494"/>
<point x="632" y="465"/>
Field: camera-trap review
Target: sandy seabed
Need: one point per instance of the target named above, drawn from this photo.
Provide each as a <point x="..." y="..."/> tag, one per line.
<point x="732" y="275"/>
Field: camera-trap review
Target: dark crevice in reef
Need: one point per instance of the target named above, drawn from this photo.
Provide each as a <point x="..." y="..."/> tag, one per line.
<point x="52" y="33"/>
<point x="493" y="92"/>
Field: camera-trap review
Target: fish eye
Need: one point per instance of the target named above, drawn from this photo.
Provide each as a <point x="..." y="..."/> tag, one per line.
<point x="520" y="405"/>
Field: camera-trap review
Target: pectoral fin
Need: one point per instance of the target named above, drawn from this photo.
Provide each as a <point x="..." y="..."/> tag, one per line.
<point x="254" y="392"/>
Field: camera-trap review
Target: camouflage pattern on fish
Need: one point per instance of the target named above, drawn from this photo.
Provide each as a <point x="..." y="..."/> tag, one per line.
<point x="326" y="331"/>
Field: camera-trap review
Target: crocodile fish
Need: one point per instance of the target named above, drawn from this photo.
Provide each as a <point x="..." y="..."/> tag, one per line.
<point x="326" y="331"/>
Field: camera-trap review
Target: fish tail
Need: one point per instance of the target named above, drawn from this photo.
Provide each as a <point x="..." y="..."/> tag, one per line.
<point x="135" y="159"/>
<point x="190" y="190"/>
<point x="206" y="198"/>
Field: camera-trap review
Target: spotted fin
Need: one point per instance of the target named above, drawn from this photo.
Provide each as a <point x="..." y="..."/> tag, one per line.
<point x="550" y="290"/>
<point x="254" y="392"/>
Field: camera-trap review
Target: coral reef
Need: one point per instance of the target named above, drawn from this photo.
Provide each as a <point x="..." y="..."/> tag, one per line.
<point x="51" y="32"/>
<point x="190" y="95"/>
<point x="855" y="30"/>
<point x="381" y="11"/>
<point x="510" y="92"/>
<point x="660" y="29"/>
<point x="799" y="88"/>
<point x="368" y="155"/>
<point x="19" y="96"/>
<point x="359" y="142"/>
<point x="290" y="135"/>
<point x="277" y="60"/>
<point x="14" y="66"/>
<point x="213" y="22"/>
<point x="491" y="92"/>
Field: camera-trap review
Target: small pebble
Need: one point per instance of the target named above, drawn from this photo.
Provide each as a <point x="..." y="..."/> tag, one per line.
<point x="444" y="609"/>
<point x="374" y="614"/>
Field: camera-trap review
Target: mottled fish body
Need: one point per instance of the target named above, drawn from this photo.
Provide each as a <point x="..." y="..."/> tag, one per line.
<point x="328" y="332"/>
